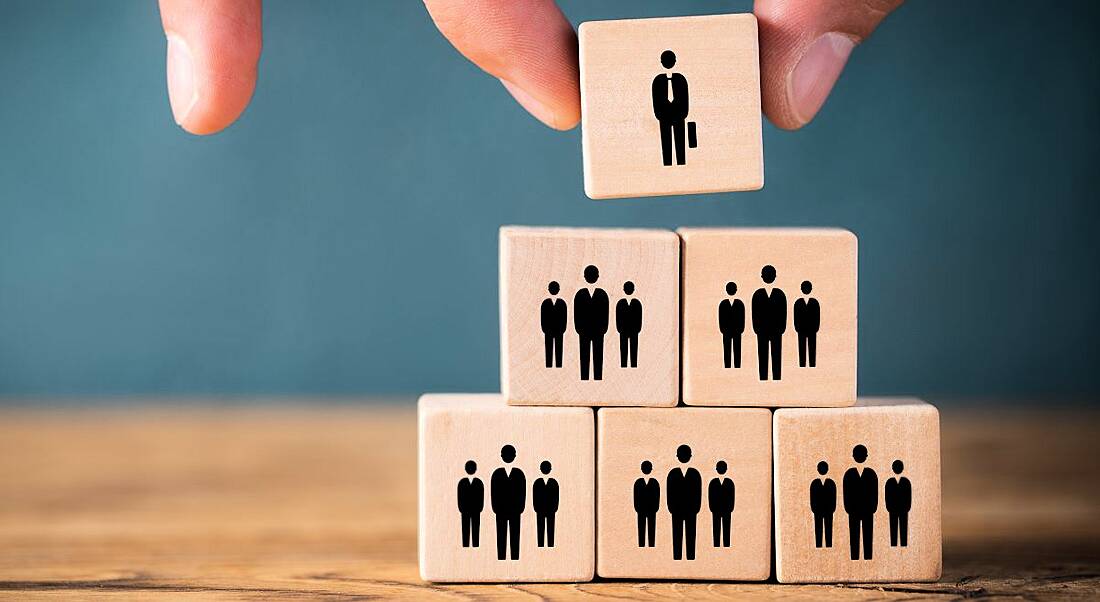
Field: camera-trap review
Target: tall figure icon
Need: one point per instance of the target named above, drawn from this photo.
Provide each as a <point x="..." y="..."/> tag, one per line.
<point x="722" y="497"/>
<point x="544" y="500"/>
<point x="861" y="503"/>
<point x="670" y="107"/>
<point x="807" y="321"/>
<point x="684" y="492"/>
<point x="591" y="309"/>
<point x="899" y="500"/>
<point x="731" y="323"/>
<point x="471" y="501"/>
<point x="508" y="490"/>
<point x="628" y="321"/>
<point x="647" y="501"/>
<point x="769" y="322"/>
<point x="823" y="505"/>
<point x="554" y="321"/>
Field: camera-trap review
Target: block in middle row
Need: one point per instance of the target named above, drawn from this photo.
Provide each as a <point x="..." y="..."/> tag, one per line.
<point x="590" y="317"/>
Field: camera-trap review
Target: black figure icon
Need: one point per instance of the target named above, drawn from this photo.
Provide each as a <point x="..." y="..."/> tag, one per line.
<point x="861" y="503"/>
<point x="544" y="500"/>
<point x="508" y="490"/>
<point x="899" y="499"/>
<point x="591" y="309"/>
<point x="722" y="497"/>
<point x="471" y="501"/>
<point x="670" y="107"/>
<point x="807" y="321"/>
<point x="628" y="321"/>
<point x="731" y="322"/>
<point x="769" y="322"/>
<point x="647" y="501"/>
<point x="684" y="498"/>
<point x="554" y="322"/>
<point x="823" y="505"/>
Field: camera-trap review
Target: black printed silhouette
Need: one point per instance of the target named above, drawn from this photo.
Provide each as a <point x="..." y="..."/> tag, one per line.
<point x="554" y="322"/>
<point x="544" y="499"/>
<point x="670" y="107"/>
<point x="591" y="310"/>
<point x="769" y="322"/>
<point x="807" y="321"/>
<point x="823" y="505"/>
<point x="861" y="503"/>
<point x="471" y="501"/>
<point x="722" y="497"/>
<point x="899" y="500"/>
<point x="647" y="501"/>
<point x="684" y="493"/>
<point x="508" y="490"/>
<point x="628" y="321"/>
<point x="731" y="322"/>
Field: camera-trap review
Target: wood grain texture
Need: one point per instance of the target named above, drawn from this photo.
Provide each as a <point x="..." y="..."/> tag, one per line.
<point x="621" y="137"/>
<point x="311" y="501"/>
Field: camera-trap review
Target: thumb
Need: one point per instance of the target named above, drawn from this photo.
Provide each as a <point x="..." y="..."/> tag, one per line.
<point x="803" y="49"/>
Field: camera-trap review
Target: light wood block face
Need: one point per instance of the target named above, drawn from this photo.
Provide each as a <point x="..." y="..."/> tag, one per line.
<point x="463" y="516"/>
<point x="636" y="521"/>
<point x="769" y="344"/>
<point x="589" y="317"/>
<point x="887" y="496"/>
<point x="697" y="73"/>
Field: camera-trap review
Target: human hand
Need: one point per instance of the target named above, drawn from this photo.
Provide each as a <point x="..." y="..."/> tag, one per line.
<point x="214" y="47"/>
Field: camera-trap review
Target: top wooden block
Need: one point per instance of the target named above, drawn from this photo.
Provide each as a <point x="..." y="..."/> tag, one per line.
<point x="646" y="84"/>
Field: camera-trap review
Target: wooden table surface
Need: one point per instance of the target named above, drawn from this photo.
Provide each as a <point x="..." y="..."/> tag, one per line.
<point x="316" y="501"/>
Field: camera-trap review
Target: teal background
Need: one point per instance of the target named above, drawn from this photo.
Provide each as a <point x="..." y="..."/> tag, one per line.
<point x="340" y="239"/>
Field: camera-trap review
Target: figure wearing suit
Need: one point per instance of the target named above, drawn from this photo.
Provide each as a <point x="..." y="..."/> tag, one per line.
<point x="722" y="497"/>
<point x="554" y="322"/>
<point x="590" y="319"/>
<point x="628" y="321"/>
<point x="544" y="500"/>
<point x="861" y="503"/>
<point x="508" y="490"/>
<point x="684" y="491"/>
<point x="807" y="321"/>
<point x="670" y="107"/>
<point x="899" y="500"/>
<point x="769" y="322"/>
<point x="731" y="322"/>
<point x="647" y="501"/>
<point x="471" y="501"/>
<point x="823" y="505"/>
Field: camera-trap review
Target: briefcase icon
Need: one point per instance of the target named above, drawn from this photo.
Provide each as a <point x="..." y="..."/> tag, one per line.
<point x="692" y="140"/>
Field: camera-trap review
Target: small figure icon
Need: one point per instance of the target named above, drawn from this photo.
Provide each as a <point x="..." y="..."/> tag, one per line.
<point x="544" y="499"/>
<point x="769" y="322"/>
<point x="684" y="490"/>
<point x="899" y="500"/>
<point x="554" y="321"/>
<point x="807" y="321"/>
<point x="722" y="497"/>
<point x="861" y="503"/>
<point x="590" y="319"/>
<point x="628" y="321"/>
<point x="731" y="323"/>
<point x="670" y="107"/>
<point x="647" y="501"/>
<point x="508" y="492"/>
<point x="471" y="501"/>
<point x="823" y="505"/>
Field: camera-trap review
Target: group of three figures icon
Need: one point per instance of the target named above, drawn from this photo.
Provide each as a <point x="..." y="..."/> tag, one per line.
<point x="860" y="504"/>
<point x="591" y="319"/>
<point x="508" y="499"/>
<point x="769" y="323"/>
<point x="684" y="500"/>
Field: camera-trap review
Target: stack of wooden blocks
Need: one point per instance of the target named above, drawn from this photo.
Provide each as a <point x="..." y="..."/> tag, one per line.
<point x="660" y="389"/>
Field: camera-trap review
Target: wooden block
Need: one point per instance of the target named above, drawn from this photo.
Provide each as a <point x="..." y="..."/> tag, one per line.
<point x="814" y="271"/>
<point x="549" y="487"/>
<point x="880" y="475"/>
<point x="627" y="68"/>
<point x="590" y="289"/>
<point x="631" y="437"/>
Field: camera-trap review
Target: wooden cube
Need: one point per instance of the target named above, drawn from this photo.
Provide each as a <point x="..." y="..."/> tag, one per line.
<point x="857" y="493"/>
<point x="506" y="493"/>
<point x="670" y="106"/>
<point x="769" y="317"/>
<point x="589" y="317"/>
<point x="665" y="473"/>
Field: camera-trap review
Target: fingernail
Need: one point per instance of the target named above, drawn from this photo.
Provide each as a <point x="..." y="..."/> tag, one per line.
<point x="813" y="77"/>
<point x="532" y="104"/>
<point x="182" y="93"/>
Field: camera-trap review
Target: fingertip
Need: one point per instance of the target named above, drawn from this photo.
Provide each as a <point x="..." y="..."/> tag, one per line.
<point x="558" y="117"/>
